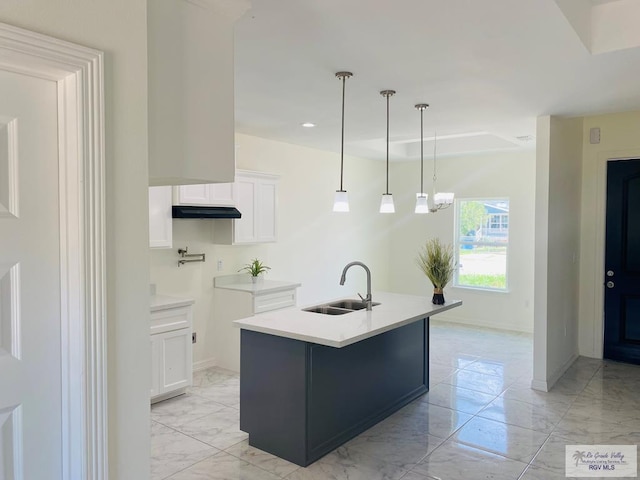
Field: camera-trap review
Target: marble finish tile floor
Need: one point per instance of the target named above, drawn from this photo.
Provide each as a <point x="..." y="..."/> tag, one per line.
<point x="480" y="420"/>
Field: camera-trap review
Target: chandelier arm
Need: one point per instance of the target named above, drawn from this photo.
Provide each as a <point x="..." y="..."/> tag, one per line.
<point x="434" y="161"/>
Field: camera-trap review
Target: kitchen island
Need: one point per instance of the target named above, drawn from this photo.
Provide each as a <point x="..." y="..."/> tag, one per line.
<point x="310" y="381"/>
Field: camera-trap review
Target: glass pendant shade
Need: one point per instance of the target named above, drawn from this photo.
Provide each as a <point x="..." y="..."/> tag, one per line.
<point x="421" y="203"/>
<point x="443" y="199"/>
<point x="341" y="201"/>
<point x="386" y="204"/>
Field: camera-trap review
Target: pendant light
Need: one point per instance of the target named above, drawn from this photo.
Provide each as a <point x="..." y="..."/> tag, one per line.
<point x="441" y="200"/>
<point x="386" y="204"/>
<point x="341" y="200"/>
<point x="421" y="198"/>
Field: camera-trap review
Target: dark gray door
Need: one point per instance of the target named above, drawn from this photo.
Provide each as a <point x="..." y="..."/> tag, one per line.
<point x="622" y="262"/>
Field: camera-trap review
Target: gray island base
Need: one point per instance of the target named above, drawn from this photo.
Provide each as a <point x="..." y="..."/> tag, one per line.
<point x="300" y="400"/>
<point x="310" y="382"/>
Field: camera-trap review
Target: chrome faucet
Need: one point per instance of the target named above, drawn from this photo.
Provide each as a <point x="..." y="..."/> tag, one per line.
<point x="367" y="300"/>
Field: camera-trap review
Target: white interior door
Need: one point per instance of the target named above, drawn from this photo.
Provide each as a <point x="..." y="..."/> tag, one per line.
<point x="30" y="293"/>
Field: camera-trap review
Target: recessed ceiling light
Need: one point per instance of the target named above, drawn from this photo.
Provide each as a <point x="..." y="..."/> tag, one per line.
<point x="308" y="125"/>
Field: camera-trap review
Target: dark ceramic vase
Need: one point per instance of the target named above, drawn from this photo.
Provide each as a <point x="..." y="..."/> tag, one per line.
<point x="438" y="297"/>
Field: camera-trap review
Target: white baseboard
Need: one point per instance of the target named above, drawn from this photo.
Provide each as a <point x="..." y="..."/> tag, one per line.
<point x="545" y="386"/>
<point x="204" y="364"/>
<point x="473" y="322"/>
<point x="539" y="385"/>
<point x="551" y="381"/>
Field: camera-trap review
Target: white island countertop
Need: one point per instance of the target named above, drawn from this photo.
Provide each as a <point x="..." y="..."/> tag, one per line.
<point x="395" y="310"/>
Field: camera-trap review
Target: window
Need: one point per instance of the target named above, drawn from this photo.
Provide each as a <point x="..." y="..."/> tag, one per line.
<point x="482" y="241"/>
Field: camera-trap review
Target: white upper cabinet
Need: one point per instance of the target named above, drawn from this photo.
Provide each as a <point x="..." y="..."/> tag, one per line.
<point x="211" y="194"/>
<point x="160" y="218"/>
<point x="255" y="195"/>
<point x="266" y="207"/>
<point x="190" y="88"/>
<point x="222" y="194"/>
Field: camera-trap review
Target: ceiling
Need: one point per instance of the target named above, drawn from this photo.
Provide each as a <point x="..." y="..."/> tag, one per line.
<point x="487" y="69"/>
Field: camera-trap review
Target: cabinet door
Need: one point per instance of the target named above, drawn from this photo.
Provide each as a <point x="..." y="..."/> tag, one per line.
<point x="175" y="359"/>
<point x="246" y="196"/>
<point x="193" y="195"/>
<point x="222" y="194"/>
<point x="210" y="195"/>
<point x="160" y="220"/>
<point x="266" y="208"/>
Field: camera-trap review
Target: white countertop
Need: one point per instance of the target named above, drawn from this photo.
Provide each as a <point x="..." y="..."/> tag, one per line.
<point x="395" y="310"/>
<point x="242" y="283"/>
<point x="161" y="302"/>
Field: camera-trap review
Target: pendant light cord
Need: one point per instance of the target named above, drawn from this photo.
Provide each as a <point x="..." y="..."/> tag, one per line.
<point x="342" y="76"/>
<point x="421" y="152"/>
<point x="388" y="144"/>
<point x="344" y="82"/>
<point x="422" y="107"/>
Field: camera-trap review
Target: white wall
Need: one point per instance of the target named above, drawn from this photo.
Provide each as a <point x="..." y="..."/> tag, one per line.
<point x="557" y="242"/>
<point x="619" y="139"/>
<point x="313" y="243"/>
<point x="118" y="27"/>
<point x="504" y="175"/>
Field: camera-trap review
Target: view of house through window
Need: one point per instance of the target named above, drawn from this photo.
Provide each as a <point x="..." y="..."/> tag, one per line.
<point x="482" y="242"/>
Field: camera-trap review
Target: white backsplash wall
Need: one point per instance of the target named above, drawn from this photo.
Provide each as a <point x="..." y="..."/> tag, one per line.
<point x="313" y="243"/>
<point x="491" y="175"/>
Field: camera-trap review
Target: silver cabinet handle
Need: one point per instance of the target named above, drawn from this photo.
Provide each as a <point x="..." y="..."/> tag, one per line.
<point x="610" y="284"/>
<point x="610" y="273"/>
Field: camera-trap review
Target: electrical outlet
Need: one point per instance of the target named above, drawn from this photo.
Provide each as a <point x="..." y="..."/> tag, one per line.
<point x="220" y="265"/>
<point x="194" y="337"/>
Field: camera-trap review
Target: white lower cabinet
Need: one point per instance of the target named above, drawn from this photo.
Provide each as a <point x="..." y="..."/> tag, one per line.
<point x="234" y="297"/>
<point x="171" y="352"/>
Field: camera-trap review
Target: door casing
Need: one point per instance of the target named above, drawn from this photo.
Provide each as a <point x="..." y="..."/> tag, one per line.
<point x="613" y="301"/>
<point x="78" y="72"/>
<point x="598" y="272"/>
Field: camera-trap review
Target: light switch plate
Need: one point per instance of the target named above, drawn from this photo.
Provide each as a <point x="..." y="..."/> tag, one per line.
<point x="594" y="135"/>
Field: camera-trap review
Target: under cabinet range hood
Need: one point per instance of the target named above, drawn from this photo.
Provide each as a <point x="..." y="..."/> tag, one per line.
<point x="180" y="211"/>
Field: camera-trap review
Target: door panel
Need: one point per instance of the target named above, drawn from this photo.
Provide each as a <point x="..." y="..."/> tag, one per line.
<point x="30" y="322"/>
<point x="622" y="262"/>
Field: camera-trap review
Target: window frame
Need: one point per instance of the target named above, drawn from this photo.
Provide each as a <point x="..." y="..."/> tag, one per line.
<point x="457" y="244"/>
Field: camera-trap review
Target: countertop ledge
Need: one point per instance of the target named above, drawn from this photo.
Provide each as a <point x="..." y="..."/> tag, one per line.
<point x="242" y="283"/>
<point x="395" y="310"/>
<point x="161" y="302"/>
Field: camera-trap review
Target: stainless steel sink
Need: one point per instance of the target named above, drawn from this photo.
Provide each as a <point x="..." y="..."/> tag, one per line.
<point x="352" y="304"/>
<point x="327" y="310"/>
<point x="339" y="308"/>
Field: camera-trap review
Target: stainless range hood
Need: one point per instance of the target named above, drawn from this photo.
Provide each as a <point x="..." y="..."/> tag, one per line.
<point x="181" y="211"/>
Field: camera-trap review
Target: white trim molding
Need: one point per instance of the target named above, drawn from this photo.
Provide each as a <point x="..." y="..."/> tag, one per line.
<point x="78" y="72"/>
<point x="204" y="364"/>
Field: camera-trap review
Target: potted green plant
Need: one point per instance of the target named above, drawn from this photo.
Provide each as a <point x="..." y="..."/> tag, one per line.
<point x="255" y="268"/>
<point x="437" y="262"/>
